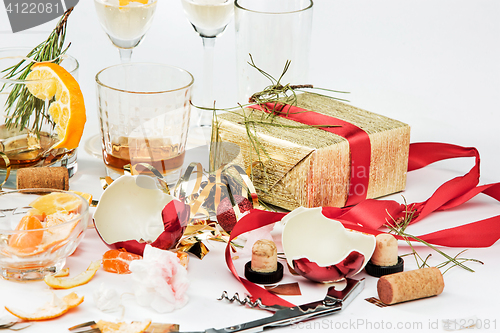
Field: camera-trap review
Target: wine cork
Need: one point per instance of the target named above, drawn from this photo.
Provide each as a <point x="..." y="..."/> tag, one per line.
<point x="43" y="177"/>
<point x="386" y="250"/>
<point x="264" y="256"/>
<point x="410" y="285"/>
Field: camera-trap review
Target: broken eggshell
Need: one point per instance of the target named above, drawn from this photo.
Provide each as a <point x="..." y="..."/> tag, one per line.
<point x="133" y="212"/>
<point x="321" y="249"/>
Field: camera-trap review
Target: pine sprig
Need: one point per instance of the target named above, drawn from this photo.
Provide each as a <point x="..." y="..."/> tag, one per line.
<point x="398" y="227"/>
<point x="281" y="97"/>
<point x="23" y="110"/>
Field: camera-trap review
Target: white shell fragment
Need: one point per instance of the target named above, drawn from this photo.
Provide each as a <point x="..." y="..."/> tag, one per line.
<point x="127" y="211"/>
<point x="307" y="233"/>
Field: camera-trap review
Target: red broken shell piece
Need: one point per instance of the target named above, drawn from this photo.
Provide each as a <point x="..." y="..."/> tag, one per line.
<point x="225" y="212"/>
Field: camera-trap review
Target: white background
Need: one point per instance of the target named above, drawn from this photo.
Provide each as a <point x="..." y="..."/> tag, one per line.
<point x="433" y="64"/>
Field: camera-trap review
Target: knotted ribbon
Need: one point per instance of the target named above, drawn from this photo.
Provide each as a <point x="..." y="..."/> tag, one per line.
<point x="359" y="142"/>
<point x="369" y="215"/>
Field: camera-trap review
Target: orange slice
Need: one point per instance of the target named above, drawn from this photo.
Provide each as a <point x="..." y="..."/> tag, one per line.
<point x="117" y="261"/>
<point x="121" y="327"/>
<point x="53" y="309"/>
<point x="68" y="109"/>
<point x="67" y="282"/>
<point x="56" y="202"/>
<point x="27" y="241"/>
<point x="126" y="2"/>
<point x="86" y="196"/>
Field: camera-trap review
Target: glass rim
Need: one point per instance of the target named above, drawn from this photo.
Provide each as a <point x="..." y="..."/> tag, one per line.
<point x="136" y="4"/>
<point x="22" y="56"/>
<point x="45" y="191"/>
<point x="236" y="4"/>
<point x="100" y="83"/>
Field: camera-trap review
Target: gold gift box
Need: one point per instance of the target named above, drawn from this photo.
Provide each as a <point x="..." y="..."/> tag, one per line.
<point x="311" y="167"/>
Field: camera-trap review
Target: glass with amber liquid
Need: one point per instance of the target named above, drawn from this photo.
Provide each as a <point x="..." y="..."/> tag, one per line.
<point x="27" y="147"/>
<point x="144" y="111"/>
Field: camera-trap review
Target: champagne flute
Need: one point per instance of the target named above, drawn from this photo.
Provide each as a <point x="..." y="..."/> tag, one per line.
<point x="125" y="22"/>
<point x="209" y="19"/>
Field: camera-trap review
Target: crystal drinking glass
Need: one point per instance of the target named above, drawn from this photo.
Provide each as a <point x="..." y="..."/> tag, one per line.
<point x="209" y="19"/>
<point x="126" y="22"/>
<point x="26" y="146"/>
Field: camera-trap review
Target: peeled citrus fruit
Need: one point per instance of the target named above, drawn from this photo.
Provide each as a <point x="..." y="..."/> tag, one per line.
<point x="56" y="202"/>
<point x="117" y="261"/>
<point x="67" y="282"/>
<point x="68" y="109"/>
<point x="29" y="240"/>
<point x="49" y="310"/>
<point x="121" y="327"/>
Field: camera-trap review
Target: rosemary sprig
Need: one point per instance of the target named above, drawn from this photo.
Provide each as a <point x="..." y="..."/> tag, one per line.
<point x="281" y="97"/>
<point x="398" y="227"/>
<point x="24" y="110"/>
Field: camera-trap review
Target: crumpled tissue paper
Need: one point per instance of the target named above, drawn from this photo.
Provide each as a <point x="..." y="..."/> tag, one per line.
<point x="160" y="281"/>
<point x="106" y="299"/>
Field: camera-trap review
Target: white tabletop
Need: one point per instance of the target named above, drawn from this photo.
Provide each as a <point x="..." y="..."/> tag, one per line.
<point x="431" y="64"/>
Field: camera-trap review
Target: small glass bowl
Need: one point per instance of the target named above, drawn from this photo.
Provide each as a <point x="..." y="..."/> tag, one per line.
<point x="31" y="254"/>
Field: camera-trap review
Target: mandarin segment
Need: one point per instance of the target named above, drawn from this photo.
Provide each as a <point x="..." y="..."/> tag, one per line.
<point x="118" y="261"/>
<point x="27" y="241"/>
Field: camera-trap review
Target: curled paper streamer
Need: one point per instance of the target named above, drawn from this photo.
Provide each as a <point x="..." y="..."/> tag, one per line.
<point x="228" y="180"/>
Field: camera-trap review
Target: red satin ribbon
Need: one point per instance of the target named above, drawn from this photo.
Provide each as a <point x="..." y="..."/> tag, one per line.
<point x="370" y="215"/>
<point x="359" y="143"/>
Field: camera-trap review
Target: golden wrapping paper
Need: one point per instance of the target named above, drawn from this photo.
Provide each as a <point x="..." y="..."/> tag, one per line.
<point x="311" y="167"/>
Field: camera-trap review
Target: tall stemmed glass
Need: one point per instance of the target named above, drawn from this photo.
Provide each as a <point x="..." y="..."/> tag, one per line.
<point x="209" y="18"/>
<point x="126" y="22"/>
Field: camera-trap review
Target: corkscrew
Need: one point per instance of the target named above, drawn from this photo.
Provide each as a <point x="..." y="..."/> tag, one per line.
<point x="248" y="301"/>
<point x="334" y="301"/>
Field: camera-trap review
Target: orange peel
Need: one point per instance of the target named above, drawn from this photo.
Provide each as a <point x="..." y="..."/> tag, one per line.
<point x="52" y="309"/>
<point x="122" y="327"/>
<point x="71" y="282"/>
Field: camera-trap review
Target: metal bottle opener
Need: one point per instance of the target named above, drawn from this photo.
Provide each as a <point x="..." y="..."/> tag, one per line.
<point x="334" y="302"/>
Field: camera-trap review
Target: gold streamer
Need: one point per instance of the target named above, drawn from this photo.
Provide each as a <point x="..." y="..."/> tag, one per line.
<point x="7" y="168"/>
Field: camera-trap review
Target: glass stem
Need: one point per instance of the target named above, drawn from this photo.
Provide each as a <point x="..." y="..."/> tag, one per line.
<point x="125" y="55"/>
<point x="205" y="118"/>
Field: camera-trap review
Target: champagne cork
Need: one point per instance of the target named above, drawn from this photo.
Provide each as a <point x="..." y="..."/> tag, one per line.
<point x="264" y="256"/>
<point x="410" y="285"/>
<point x="264" y="267"/>
<point x="43" y="177"/>
<point x="386" y="250"/>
